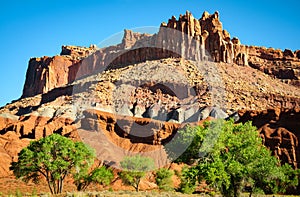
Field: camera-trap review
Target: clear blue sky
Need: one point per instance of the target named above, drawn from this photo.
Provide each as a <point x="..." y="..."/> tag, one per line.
<point x="34" y="28"/>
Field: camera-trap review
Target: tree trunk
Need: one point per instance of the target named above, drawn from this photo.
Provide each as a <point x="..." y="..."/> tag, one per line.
<point x="61" y="185"/>
<point x="54" y="187"/>
<point x="235" y="186"/>
<point x="137" y="184"/>
<point x="49" y="185"/>
<point x="57" y="186"/>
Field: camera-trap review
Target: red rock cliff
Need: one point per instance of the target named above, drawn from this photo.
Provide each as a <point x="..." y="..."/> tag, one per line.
<point x="187" y="37"/>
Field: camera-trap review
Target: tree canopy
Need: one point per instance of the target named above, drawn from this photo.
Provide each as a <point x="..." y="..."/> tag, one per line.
<point x="134" y="169"/>
<point x="83" y="177"/>
<point x="52" y="157"/>
<point x="230" y="156"/>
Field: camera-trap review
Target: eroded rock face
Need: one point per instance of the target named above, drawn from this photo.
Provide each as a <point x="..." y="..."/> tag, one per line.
<point x="126" y="132"/>
<point x="16" y="134"/>
<point x="46" y="73"/>
<point x="187" y="37"/>
<point x="284" y="65"/>
<point x="137" y="130"/>
<point x="203" y="39"/>
<point x="279" y="130"/>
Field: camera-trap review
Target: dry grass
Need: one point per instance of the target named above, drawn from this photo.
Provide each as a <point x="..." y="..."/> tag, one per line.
<point x="129" y="194"/>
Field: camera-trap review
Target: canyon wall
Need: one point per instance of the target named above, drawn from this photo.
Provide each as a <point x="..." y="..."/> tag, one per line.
<point x="186" y="37"/>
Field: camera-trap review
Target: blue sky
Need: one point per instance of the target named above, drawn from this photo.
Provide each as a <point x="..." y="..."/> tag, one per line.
<point x="35" y="28"/>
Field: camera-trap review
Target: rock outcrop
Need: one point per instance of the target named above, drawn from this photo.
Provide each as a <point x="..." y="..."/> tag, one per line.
<point x="202" y="39"/>
<point x="77" y="52"/>
<point x="279" y="130"/>
<point x="284" y="65"/>
<point x="187" y="37"/>
<point x="46" y="73"/>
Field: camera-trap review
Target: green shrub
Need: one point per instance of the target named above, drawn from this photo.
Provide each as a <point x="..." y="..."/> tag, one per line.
<point x="83" y="178"/>
<point x="134" y="169"/>
<point x="164" y="180"/>
<point x="187" y="180"/>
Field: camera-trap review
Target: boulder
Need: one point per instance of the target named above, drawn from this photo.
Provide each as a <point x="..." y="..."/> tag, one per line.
<point x="192" y="113"/>
<point x="124" y="110"/>
<point x="157" y="112"/>
<point x="139" y="110"/>
<point x="205" y="112"/>
<point x="186" y="113"/>
<point x="218" y="113"/>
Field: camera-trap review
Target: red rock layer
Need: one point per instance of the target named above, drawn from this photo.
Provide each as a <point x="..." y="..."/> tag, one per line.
<point x="279" y="130"/>
<point x="187" y="37"/>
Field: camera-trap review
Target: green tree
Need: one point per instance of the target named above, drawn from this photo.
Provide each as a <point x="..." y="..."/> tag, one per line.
<point x="232" y="158"/>
<point x="53" y="157"/>
<point x="83" y="178"/>
<point x="163" y="179"/>
<point x="134" y="169"/>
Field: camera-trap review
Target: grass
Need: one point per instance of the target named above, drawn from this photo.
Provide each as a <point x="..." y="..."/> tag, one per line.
<point x="127" y="193"/>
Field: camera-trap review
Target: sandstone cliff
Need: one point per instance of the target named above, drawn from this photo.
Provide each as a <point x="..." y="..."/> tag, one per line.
<point x="187" y="37"/>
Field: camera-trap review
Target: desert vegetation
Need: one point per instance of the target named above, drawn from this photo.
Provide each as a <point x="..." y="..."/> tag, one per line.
<point x="228" y="158"/>
<point x="134" y="169"/>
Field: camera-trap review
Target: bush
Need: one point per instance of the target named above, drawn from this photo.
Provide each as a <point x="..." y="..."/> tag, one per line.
<point x="134" y="169"/>
<point x="164" y="180"/>
<point x="102" y="176"/>
<point x="187" y="180"/>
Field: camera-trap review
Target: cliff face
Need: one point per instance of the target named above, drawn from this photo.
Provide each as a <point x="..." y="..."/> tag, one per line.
<point x="46" y="73"/>
<point x="187" y="37"/>
<point x="284" y="65"/>
<point x="279" y="130"/>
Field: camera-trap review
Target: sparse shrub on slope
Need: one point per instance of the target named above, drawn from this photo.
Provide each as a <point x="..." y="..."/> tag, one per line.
<point x="163" y="178"/>
<point x="134" y="169"/>
<point x="83" y="178"/>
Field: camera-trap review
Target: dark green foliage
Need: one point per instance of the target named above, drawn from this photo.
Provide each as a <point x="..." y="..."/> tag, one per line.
<point x="134" y="169"/>
<point x="232" y="160"/>
<point x="100" y="175"/>
<point x="188" y="179"/>
<point x="190" y="137"/>
<point x="53" y="157"/>
<point x="163" y="179"/>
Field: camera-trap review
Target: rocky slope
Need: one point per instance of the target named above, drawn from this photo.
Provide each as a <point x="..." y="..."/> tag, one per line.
<point x="133" y="97"/>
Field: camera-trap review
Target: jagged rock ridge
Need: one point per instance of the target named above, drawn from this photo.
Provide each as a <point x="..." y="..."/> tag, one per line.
<point x="187" y="37"/>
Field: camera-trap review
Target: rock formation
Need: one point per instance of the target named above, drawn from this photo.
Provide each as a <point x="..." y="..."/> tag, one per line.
<point x="284" y="65"/>
<point x="137" y="94"/>
<point x="187" y="37"/>
<point x="279" y="130"/>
